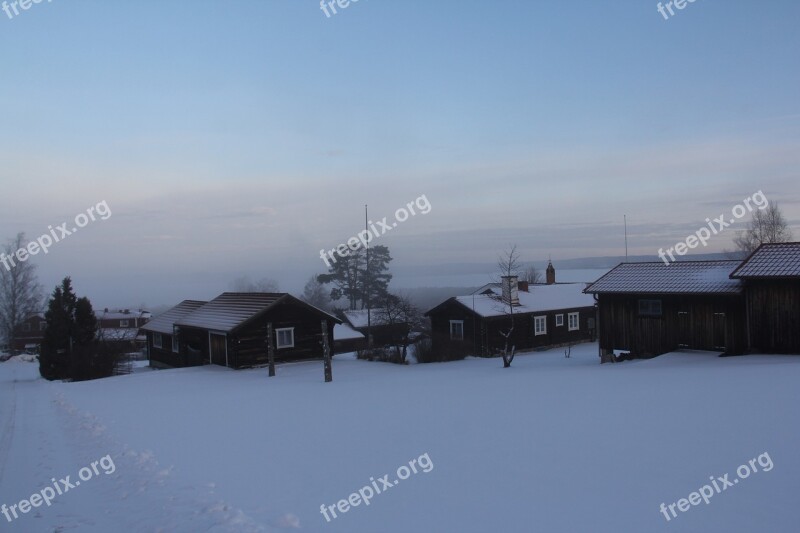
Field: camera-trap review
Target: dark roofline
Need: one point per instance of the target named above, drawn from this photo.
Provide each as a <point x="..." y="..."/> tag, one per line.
<point x="454" y="299"/>
<point x="754" y="252"/>
<point x="588" y="288"/>
<point x="282" y="297"/>
<point x="154" y="320"/>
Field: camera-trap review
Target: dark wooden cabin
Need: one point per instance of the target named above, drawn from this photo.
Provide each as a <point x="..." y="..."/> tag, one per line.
<point x="771" y="278"/>
<point x="28" y="336"/>
<point x="648" y="309"/>
<point x="232" y="330"/>
<point x="163" y="346"/>
<point x="544" y="316"/>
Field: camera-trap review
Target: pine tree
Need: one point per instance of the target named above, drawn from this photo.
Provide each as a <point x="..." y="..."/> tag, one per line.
<point x="69" y="348"/>
<point x="55" y="359"/>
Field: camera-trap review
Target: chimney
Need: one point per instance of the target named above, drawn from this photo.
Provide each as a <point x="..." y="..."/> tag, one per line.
<point x="522" y="286"/>
<point x="510" y="289"/>
<point x="550" y="274"/>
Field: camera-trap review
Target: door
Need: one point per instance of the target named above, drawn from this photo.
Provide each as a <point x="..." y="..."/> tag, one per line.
<point x="218" y="349"/>
<point x="720" y="331"/>
<point x="684" y="336"/>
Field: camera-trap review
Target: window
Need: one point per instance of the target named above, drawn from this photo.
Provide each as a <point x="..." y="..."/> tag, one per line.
<point x="123" y="323"/>
<point x="42" y="326"/>
<point x="539" y="325"/>
<point x="650" y="308"/>
<point x="285" y="337"/>
<point x="26" y="326"/>
<point x="559" y="320"/>
<point x="574" y="321"/>
<point x="156" y="340"/>
<point x="176" y="346"/>
<point x="457" y="330"/>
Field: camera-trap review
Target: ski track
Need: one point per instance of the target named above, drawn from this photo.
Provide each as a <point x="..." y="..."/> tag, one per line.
<point x="8" y="399"/>
<point x="44" y="437"/>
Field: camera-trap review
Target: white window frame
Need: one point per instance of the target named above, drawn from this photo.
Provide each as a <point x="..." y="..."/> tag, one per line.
<point x="460" y="323"/>
<point x="123" y="323"/>
<point x="540" y="320"/>
<point x="559" y="320"/>
<point x="278" y="338"/>
<point x="158" y="341"/>
<point x="176" y="345"/>
<point x="577" y="317"/>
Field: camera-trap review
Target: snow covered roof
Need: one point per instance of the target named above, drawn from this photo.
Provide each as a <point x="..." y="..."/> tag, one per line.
<point x="230" y="310"/>
<point x="539" y="298"/>
<point x="771" y="261"/>
<point x="343" y="332"/>
<point x="681" y="277"/>
<point x="163" y="323"/>
<point x="358" y="318"/>
<point x="122" y="315"/>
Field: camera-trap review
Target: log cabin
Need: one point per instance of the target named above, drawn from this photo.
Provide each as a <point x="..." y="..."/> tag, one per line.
<point x="233" y="330"/>
<point x="544" y="315"/>
<point x="733" y="307"/>
<point x="647" y="309"/>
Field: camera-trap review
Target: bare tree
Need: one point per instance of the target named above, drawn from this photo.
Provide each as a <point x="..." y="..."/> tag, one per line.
<point x="314" y="293"/>
<point x="531" y="274"/>
<point x="767" y="226"/>
<point x="20" y="292"/>
<point x="245" y="284"/>
<point x="397" y="312"/>
<point x="508" y="264"/>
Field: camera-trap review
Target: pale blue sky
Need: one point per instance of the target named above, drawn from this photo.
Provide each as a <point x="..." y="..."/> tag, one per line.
<point x="241" y="137"/>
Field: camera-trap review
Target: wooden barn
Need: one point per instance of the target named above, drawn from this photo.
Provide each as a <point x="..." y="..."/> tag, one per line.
<point x="647" y="309"/>
<point x="771" y="279"/>
<point x="233" y="330"/>
<point x="544" y="316"/>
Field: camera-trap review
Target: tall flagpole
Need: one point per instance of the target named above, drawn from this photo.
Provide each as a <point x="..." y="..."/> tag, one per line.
<point x="625" y="219"/>
<point x="366" y="282"/>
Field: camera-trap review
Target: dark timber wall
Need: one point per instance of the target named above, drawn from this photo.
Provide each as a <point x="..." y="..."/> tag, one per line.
<point x="774" y="314"/>
<point x="703" y="322"/>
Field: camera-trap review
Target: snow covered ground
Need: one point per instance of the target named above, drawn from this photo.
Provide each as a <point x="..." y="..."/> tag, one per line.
<point x="551" y="444"/>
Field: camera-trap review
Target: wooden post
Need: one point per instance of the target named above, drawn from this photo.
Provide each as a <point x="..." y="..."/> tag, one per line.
<point x="270" y="350"/>
<point x="326" y="352"/>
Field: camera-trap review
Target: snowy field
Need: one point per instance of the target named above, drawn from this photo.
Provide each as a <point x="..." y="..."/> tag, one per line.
<point x="551" y="444"/>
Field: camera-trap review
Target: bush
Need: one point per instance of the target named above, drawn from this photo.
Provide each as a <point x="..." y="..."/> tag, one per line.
<point x="384" y="354"/>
